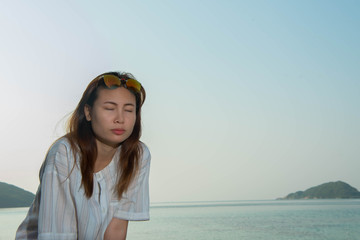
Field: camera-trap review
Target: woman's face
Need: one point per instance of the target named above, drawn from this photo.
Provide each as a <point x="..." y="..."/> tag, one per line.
<point x="112" y="116"/>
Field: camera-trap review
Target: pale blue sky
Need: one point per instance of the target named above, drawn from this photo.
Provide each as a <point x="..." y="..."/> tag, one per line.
<point x="246" y="99"/>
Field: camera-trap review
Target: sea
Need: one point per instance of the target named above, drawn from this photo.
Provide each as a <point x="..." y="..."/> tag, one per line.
<point x="246" y="220"/>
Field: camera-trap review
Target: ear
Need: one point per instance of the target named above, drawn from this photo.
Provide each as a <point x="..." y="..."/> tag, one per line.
<point x="87" y="111"/>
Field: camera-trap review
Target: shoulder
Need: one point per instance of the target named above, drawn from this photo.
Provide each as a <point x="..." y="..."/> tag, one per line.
<point x="145" y="152"/>
<point x="145" y="155"/>
<point x="59" y="157"/>
<point x="62" y="145"/>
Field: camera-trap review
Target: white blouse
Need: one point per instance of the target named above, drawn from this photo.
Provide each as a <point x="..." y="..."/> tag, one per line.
<point x="62" y="211"/>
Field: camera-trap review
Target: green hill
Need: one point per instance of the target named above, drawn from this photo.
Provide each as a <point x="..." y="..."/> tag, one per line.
<point x="12" y="196"/>
<point x="329" y="190"/>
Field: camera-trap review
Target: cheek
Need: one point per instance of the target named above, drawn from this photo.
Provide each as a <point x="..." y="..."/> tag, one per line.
<point x="132" y="121"/>
<point x="99" y="121"/>
<point x="96" y="126"/>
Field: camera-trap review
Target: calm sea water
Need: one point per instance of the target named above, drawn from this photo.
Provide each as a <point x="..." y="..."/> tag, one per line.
<point x="249" y="220"/>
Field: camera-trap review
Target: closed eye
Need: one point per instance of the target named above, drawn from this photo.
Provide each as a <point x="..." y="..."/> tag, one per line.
<point x="109" y="105"/>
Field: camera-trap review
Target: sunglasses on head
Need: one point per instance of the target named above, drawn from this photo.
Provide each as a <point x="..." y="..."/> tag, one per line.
<point x="112" y="81"/>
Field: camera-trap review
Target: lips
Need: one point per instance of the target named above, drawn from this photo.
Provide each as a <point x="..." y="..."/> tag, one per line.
<point x="118" y="131"/>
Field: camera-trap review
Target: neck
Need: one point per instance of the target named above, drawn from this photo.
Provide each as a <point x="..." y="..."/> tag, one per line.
<point x="105" y="153"/>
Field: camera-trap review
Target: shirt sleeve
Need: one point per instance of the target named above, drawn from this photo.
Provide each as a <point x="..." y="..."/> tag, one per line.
<point x="57" y="218"/>
<point x="135" y="202"/>
<point x="28" y="229"/>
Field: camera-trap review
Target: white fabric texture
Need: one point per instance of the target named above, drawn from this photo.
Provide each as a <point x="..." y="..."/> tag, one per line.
<point x="62" y="211"/>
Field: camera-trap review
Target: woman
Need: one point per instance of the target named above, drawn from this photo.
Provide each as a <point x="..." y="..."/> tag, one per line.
<point x="95" y="178"/>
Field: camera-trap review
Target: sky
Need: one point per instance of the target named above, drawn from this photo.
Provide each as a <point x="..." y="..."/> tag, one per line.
<point x="246" y="100"/>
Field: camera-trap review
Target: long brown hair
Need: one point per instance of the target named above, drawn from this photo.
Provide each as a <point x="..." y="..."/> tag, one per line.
<point x="83" y="143"/>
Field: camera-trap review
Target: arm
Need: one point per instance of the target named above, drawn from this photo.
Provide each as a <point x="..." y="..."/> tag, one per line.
<point x="57" y="209"/>
<point x="116" y="230"/>
<point x="134" y="204"/>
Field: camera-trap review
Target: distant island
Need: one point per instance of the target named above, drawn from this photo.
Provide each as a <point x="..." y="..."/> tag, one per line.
<point x="12" y="196"/>
<point x="330" y="190"/>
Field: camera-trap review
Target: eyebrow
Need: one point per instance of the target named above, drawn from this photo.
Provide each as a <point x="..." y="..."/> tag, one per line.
<point x="113" y="103"/>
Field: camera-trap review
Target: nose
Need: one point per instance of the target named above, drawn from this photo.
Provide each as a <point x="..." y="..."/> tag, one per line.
<point x="119" y="118"/>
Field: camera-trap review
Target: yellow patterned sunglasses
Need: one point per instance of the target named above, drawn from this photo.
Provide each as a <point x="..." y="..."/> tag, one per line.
<point x="112" y="81"/>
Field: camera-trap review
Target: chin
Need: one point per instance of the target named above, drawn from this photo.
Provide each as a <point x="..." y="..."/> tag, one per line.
<point x="119" y="141"/>
<point x="111" y="142"/>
